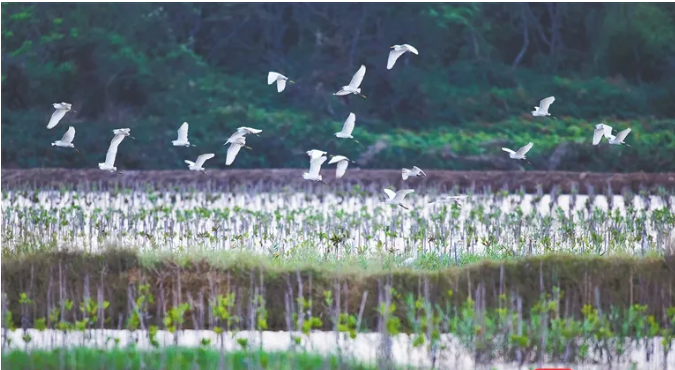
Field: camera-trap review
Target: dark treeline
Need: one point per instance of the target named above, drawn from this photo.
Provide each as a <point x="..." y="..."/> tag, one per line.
<point x="480" y="71"/>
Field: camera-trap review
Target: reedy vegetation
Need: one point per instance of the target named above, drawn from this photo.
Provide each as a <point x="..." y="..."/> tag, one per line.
<point x="346" y="227"/>
<point x="446" y="334"/>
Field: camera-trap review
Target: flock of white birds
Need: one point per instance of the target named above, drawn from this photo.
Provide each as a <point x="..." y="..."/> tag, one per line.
<point x="317" y="157"/>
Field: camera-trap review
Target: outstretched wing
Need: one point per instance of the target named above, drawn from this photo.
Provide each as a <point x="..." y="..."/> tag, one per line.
<point x="402" y="193"/>
<point x="112" y="150"/>
<point x="622" y="135"/>
<point x="69" y="135"/>
<point x="522" y="151"/>
<point x="271" y="77"/>
<point x="235" y="136"/>
<point x="337" y="158"/>
<point x="597" y="135"/>
<point x="232" y="152"/>
<point x="358" y="77"/>
<point x="545" y="103"/>
<point x="419" y="170"/>
<point x="281" y="85"/>
<point x="315" y="165"/>
<point x="348" y="126"/>
<point x="341" y="169"/>
<point x="314" y="154"/>
<point x="508" y="150"/>
<point x="56" y="117"/>
<point x="248" y="130"/>
<point x="390" y="193"/>
<point x="183" y="132"/>
<point x="393" y="56"/>
<point x="411" y="49"/>
<point x="203" y="158"/>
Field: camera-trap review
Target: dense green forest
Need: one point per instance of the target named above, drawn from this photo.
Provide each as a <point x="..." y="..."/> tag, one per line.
<point x="481" y="69"/>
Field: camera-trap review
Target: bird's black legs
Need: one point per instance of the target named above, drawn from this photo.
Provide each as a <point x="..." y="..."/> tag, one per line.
<point x="404" y="207"/>
<point x="204" y="172"/>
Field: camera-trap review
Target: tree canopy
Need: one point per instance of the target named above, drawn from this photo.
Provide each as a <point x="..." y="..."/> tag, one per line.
<point x="481" y="68"/>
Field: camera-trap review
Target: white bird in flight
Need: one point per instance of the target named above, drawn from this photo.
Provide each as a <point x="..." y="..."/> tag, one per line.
<point x="449" y="199"/>
<point x="67" y="139"/>
<point x="236" y="145"/>
<point x="61" y="110"/>
<point x="415" y="172"/>
<point x="279" y="79"/>
<point x="618" y="139"/>
<point x="182" y="139"/>
<point x="347" y="128"/>
<point x="542" y="109"/>
<point x="109" y="164"/>
<point x="123" y="132"/>
<point x="397" y="51"/>
<point x="342" y="163"/>
<point x="242" y="132"/>
<point x="397" y="198"/>
<point x="520" y="154"/>
<point x="601" y="130"/>
<point x="314" y="168"/>
<point x="314" y="154"/>
<point x="198" y="165"/>
<point x="353" y="87"/>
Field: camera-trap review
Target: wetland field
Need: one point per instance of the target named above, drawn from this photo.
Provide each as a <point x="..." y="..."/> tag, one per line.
<point x="213" y="273"/>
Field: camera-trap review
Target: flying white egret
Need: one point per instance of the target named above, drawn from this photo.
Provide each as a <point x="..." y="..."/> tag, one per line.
<point x="314" y="168"/>
<point x="182" y="139"/>
<point x="67" y="139"/>
<point x="618" y="139"/>
<point x="280" y="80"/>
<point x="342" y="163"/>
<point x="233" y="150"/>
<point x="61" y="110"/>
<point x="241" y="132"/>
<point x="601" y="130"/>
<point x="397" y="51"/>
<point x="449" y="199"/>
<point x="109" y="164"/>
<point x="314" y="153"/>
<point x="353" y="87"/>
<point x="198" y="165"/>
<point x="415" y="172"/>
<point x="347" y="128"/>
<point x="397" y="198"/>
<point x="542" y="109"/>
<point x="123" y="132"/>
<point x="520" y="154"/>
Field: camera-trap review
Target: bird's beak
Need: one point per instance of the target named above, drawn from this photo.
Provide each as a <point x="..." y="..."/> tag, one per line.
<point x="77" y="151"/>
<point x="248" y="147"/>
<point x="132" y="137"/>
<point x="363" y="96"/>
<point x="204" y="172"/>
<point x="391" y="47"/>
<point x="291" y="81"/>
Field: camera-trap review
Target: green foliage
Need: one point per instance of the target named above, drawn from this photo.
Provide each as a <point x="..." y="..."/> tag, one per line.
<point x="152" y="66"/>
<point x="176" y="358"/>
